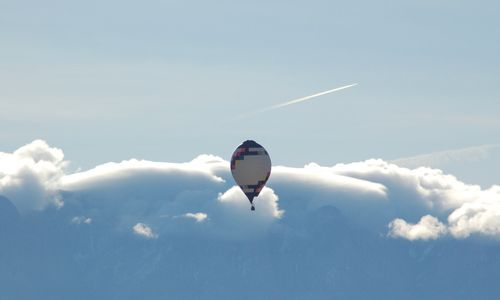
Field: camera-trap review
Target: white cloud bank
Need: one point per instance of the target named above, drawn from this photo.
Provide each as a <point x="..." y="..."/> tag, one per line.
<point x="373" y="193"/>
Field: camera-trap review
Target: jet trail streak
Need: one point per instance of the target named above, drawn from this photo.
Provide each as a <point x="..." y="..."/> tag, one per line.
<point x="244" y="116"/>
<point x="302" y="99"/>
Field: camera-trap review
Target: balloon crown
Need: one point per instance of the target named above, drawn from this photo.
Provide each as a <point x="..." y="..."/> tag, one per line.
<point x="250" y="143"/>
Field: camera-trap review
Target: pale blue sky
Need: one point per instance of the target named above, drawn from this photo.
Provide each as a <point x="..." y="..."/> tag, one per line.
<point x="161" y="80"/>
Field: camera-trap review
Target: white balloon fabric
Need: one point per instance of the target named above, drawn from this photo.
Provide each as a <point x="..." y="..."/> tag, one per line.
<point x="251" y="168"/>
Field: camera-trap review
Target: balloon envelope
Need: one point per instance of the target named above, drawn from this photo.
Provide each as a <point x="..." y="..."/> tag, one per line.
<point x="251" y="167"/>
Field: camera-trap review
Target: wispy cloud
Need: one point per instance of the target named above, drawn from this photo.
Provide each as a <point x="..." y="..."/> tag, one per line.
<point x="436" y="159"/>
<point x="144" y="230"/>
<point x="81" y="220"/>
<point x="199" y="217"/>
<point x="459" y="119"/>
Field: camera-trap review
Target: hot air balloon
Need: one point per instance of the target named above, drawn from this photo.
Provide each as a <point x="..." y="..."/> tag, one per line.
<point x="251" y="167"/>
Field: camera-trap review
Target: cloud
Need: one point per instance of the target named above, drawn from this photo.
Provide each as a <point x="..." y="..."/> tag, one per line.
<point x="233" y="218"/>
<point x="374" y="194"/>
<point x="428" y="228"/>
<point x="144" y="231"/>
<point x="471" y="164"/>
<point x="268" y="204"/>
<point x="421" y="191"/>
<point x="479" y="216"/>
<point x="81" y="220"/>
<point x="473" y="120"/>
<point x="441" y="158"/>
<point x="30" y="176"/>
<point x="199" y="217"/>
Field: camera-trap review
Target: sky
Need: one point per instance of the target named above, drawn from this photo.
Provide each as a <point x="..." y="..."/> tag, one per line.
<point x="119" y="119"/>
<point x="161" y="80"/>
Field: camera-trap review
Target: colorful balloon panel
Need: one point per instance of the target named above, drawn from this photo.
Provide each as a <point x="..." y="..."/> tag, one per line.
<point x="251" y="168"/>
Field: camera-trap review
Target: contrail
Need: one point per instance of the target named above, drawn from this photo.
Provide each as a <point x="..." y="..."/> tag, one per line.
<point x="302" y="99"/>
<point x="306" y="98"/>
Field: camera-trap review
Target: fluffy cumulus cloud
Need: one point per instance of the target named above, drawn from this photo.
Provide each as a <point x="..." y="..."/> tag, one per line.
<point x="200" y="196"/>
<point x="479" y="216"/>
<point x="428" y="228"/>
<point x="30" y="176"/>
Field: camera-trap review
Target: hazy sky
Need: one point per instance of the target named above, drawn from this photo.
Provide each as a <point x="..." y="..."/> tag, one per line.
<point x="162" y="80"/>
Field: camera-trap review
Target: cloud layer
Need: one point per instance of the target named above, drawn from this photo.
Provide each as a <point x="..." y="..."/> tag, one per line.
<point x="151" y="199"/>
